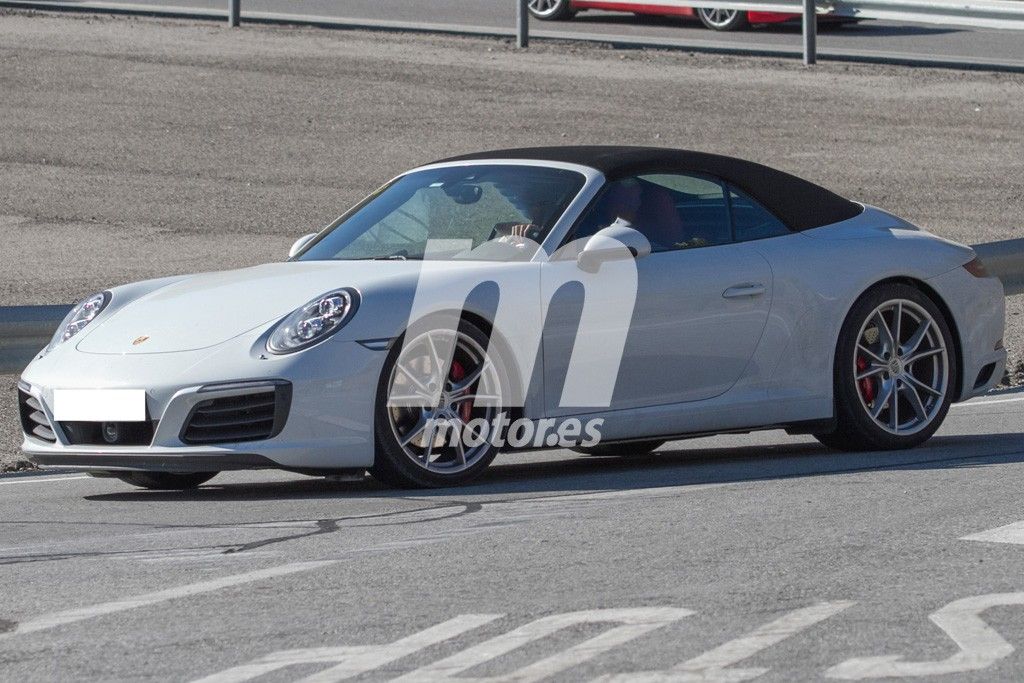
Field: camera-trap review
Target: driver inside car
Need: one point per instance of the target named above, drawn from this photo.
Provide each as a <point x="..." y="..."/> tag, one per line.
<point x="535" y="207"/>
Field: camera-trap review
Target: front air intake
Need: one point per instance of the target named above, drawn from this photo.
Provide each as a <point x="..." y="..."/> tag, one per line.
<point x="33" y="419"/>
<point x="251" y="416"/>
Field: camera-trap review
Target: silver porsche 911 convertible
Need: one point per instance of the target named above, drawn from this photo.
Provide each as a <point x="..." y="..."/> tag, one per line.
<point x="605" y="299"/>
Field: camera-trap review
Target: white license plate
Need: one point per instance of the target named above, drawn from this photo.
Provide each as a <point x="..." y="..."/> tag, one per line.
<point x="99" y="405"/>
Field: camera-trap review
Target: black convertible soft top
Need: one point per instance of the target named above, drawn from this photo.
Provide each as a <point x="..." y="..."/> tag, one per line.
<point x="800" y="204"/>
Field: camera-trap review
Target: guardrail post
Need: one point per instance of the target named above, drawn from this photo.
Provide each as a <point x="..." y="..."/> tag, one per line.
<point x="522" y="23"/>
<point x="234" y="12"/>
<point x="810" y="33"/>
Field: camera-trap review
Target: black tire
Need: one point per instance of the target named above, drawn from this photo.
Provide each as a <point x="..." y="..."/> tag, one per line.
<point x="723" y="20"/>
<point x="552" y="10"/>
<point x="165" y="481"/>
<point x="856" y="430"/>
<point x="830" y="25"/>
<point x="627" y="449"/>
<point x="392" y="466"/>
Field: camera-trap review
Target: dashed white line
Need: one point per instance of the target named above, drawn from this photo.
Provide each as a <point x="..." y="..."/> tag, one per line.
<point x="40" y="480"/>
<point x="1009" y="533"/>
<point x="55" y="619"/>
<point x="988" y="402"/>
<point x="631" y="624"/>
<point x="714" y="666"/>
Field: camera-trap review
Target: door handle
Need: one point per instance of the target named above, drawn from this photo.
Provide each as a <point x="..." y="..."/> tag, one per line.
<point x="749" y="289"/>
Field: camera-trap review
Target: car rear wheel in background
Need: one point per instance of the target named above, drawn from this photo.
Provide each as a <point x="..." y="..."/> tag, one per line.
<point x="626" y="449"/>
<point x="722" y="19"/>
<point x="165" y="481"/>
<point x="895" y="371"/>
<point x="552" y="9"/>
<point x="410" y="452"/>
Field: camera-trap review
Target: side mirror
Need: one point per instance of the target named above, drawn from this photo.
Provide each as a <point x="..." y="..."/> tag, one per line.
<point x="614" y="243"/>
<point x="300" y="244"/>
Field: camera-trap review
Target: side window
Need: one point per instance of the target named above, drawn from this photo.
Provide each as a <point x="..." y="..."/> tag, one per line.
<point x="674" y="211"/>
<point x="751" y="220"/>
<point x="684" y="211"/>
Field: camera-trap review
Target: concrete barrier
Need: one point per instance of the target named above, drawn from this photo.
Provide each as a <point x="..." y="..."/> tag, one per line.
<point x="24" y="330"/>
<point x="1005" y="260"/>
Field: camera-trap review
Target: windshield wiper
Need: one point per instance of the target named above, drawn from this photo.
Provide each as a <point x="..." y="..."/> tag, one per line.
<point x="401" y="255"/>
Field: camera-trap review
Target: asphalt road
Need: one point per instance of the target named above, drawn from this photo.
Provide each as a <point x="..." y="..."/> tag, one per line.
<point x="713" y="557"/>
<point x="916" y="40"/>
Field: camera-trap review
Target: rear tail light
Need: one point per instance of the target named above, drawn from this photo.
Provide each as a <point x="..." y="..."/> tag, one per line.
<point x="976" y="267"/>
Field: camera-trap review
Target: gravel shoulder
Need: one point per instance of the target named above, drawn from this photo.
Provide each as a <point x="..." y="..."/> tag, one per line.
<point x="134" y="148"/>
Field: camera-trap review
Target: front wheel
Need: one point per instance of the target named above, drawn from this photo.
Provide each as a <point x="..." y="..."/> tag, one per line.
<point x="165" y="481"/>
<point x="723" y="19"/>
<point x="440" y="396"/>
<point x="895" y="371"/>
<point x="552" y="9"/>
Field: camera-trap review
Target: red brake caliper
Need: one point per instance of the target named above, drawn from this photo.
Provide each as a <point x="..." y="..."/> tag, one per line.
<point x="867" y="387"/>
<point x="466" y="407"/>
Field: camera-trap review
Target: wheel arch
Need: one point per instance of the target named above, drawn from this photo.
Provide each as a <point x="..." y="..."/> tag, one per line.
<point x="936" y="299"/>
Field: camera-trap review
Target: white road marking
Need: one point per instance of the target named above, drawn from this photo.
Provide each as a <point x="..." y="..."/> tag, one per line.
<point x="1010" y="533"/>
<point x="714" y="664"/>
<point x="41" y="480"/>
<point x="980" y="645"/>
<point x="633" y="624"/>
<point x="352" y="661"/>
<point x="55" y="619"/>
<point x="988" y="402"/>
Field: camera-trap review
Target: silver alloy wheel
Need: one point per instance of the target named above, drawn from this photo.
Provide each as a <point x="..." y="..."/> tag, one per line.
<point x="901" y="367"/>
<point x="443" y="377"/>
<point x="719" y="18"/>
<point x="545" y="8"/>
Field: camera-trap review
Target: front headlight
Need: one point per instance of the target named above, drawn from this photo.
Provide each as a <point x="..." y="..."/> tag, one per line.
<point x="83" y="313"/>
<point x="314" y="321"/>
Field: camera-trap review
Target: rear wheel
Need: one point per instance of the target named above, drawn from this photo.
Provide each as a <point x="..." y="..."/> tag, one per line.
<point x="552" y="9"/>
<point x="723" y="19"/>
<point x="165" y="481"/>
<point x="421" y="389"/>
<point x="621" y="449"/>
<point x="895" y="371"/>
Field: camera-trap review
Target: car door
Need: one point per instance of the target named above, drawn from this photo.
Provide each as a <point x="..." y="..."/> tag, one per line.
<point x="701" y="305"/>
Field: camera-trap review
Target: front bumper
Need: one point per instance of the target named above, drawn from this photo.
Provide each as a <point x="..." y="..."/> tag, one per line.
<point x="153" y="462"/>
<point x="329" y="421"/>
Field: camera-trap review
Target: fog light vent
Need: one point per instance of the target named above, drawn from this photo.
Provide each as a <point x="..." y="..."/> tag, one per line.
<point x="248" y="417"/>
<point x="33" y="419"/>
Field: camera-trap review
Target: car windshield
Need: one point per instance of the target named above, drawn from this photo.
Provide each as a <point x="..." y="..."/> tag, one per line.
<point x="480" y="212"/>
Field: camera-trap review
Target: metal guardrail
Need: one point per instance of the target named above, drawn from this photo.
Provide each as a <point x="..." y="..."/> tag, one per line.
<point x="1000" y="14"/>
<point x="24" y="330"/>
<point x="1004" y="14"/>
<point x="1005" y="260"/>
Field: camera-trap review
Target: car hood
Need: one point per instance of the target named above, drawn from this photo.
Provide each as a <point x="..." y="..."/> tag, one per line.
<point x="204" y="310"/>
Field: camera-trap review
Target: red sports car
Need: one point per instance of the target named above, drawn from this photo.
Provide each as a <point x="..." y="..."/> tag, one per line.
<point x="715" y="19"/>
